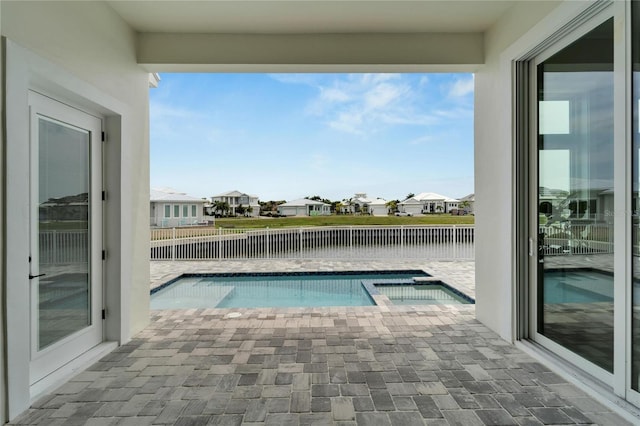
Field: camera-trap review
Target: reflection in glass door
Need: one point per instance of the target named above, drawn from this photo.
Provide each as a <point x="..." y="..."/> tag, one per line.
<point x="574" y="306"/>
<point x="66" y="234"/>
<point x="64" y="290"/>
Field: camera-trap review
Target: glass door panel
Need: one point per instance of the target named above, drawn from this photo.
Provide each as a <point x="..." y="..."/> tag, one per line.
<point x="65" y="234"/>
<point x="64" y="290"/>
<point x="574" y="307"/>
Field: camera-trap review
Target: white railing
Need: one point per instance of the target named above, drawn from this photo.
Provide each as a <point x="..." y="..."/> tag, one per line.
<point x="63" y="247"/>
<point x="577" y="239"/>
<point x="340" y="242"/>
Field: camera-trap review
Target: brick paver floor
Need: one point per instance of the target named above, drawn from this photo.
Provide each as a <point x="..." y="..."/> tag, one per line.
<point x="429" y="365"/>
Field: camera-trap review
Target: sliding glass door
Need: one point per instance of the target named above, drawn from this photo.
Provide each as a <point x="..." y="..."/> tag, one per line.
<point x="574" y="177"/>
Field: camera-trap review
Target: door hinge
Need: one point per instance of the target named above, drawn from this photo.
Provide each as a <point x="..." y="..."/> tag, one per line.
<point x="104" y="314"/>
<point x="104" y="255"/>
<point x="104" y="195"/>
<point x="104" y="137"/>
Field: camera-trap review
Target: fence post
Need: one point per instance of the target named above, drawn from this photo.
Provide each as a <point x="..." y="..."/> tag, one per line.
<point x="455" y="242"/>
<point x="219" y="244"/>
<point x="300" y="250"/>
<point x="54" y="241"/>
<point x="402" y="240"/>
<point x="268" y="250"/>
<point x="351" y="241"/>
<point x="173" y="243"/>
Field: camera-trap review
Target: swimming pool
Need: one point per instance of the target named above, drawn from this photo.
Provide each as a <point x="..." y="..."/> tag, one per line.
<point x="577" y="286"/>
<point x="271" y="290"/>
<point x="423" y="294"/>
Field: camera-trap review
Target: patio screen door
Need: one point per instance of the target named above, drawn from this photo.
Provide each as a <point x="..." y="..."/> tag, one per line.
<point x="573" y="285"/>
<point x="66" y="234"/>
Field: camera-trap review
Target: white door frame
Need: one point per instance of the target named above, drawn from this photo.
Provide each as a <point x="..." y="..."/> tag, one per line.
<point x="49" y="359"/>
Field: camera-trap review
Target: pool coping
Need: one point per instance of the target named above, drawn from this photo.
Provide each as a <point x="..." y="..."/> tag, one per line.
<point x="368" y="285"/>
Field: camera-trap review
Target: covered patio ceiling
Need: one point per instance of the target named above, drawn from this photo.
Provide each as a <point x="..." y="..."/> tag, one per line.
<point x="320" y="17"/>
<point x="341" y="35"/>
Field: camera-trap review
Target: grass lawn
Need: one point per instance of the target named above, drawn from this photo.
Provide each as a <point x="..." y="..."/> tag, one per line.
<point x="343" y="220"/>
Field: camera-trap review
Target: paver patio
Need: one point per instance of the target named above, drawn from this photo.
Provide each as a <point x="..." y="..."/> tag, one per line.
<point x="398" y="365"/>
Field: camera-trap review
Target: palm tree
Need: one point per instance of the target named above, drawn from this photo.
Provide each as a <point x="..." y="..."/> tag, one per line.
<point x="337" y="207"/>
<point x="392" y="206"/>
<point x="464" y="205"/>
<point x="221" y="206"/>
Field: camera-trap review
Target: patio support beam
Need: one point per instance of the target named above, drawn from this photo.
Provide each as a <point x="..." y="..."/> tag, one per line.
<point x="174" y="52"/>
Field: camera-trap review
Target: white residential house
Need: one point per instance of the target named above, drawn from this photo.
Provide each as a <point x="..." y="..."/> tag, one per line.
<point x="428" y="202"/>
<point x="547" y="78"/>
<point x="304" y="207"/>
<point x="410" y="206"/>
<point x="359" y="203"/>
<point x="236" y="199"/>
<point x="171" y="208"/>
<point x="378" y="207"/>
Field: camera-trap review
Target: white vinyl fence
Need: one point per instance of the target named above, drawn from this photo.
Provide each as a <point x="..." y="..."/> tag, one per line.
<point x="346" y="242"/>
<point x="576" y="239"/>
<point x="63" y="247"/>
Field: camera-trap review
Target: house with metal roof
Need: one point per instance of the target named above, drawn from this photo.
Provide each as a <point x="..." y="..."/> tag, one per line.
<point x="359" y="203"/>
<point x="304" y="207"/>
<point x="428" y="202"/>
<point x="378" y="207"/>
<point x="171" y="208"/>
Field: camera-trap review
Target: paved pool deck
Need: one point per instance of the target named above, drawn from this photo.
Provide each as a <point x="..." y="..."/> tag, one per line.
<point x="392" y="365"/>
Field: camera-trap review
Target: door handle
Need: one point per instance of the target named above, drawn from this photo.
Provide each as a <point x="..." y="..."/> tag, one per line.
<point x="36" y="276"/>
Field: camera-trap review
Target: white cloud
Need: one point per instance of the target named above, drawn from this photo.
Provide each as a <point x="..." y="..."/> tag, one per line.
<point x="333" y="94"/>
<point x="376" y="78"/>
<point x="422" y="140"/>
<point x="348" y="121"/>
<point x="462" y="87"/>
<point x="362" y="103"/>
<point x="382" y="95"/>
<point x="308" y="79"/>
<point x="454" y="113"/>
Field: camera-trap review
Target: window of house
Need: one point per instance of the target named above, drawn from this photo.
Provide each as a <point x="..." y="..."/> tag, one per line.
<point x="194" y="211"/>
<point x="176" y="211"/>
<point x="167" y="211"/>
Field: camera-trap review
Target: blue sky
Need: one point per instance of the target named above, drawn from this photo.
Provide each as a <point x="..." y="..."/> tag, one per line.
<point x="287" y="136"/>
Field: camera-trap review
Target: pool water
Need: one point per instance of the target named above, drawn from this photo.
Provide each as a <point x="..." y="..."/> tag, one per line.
<point x="577" y="286"/>
<point x="421" y="294"/>
<point x="260" y="291"/>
